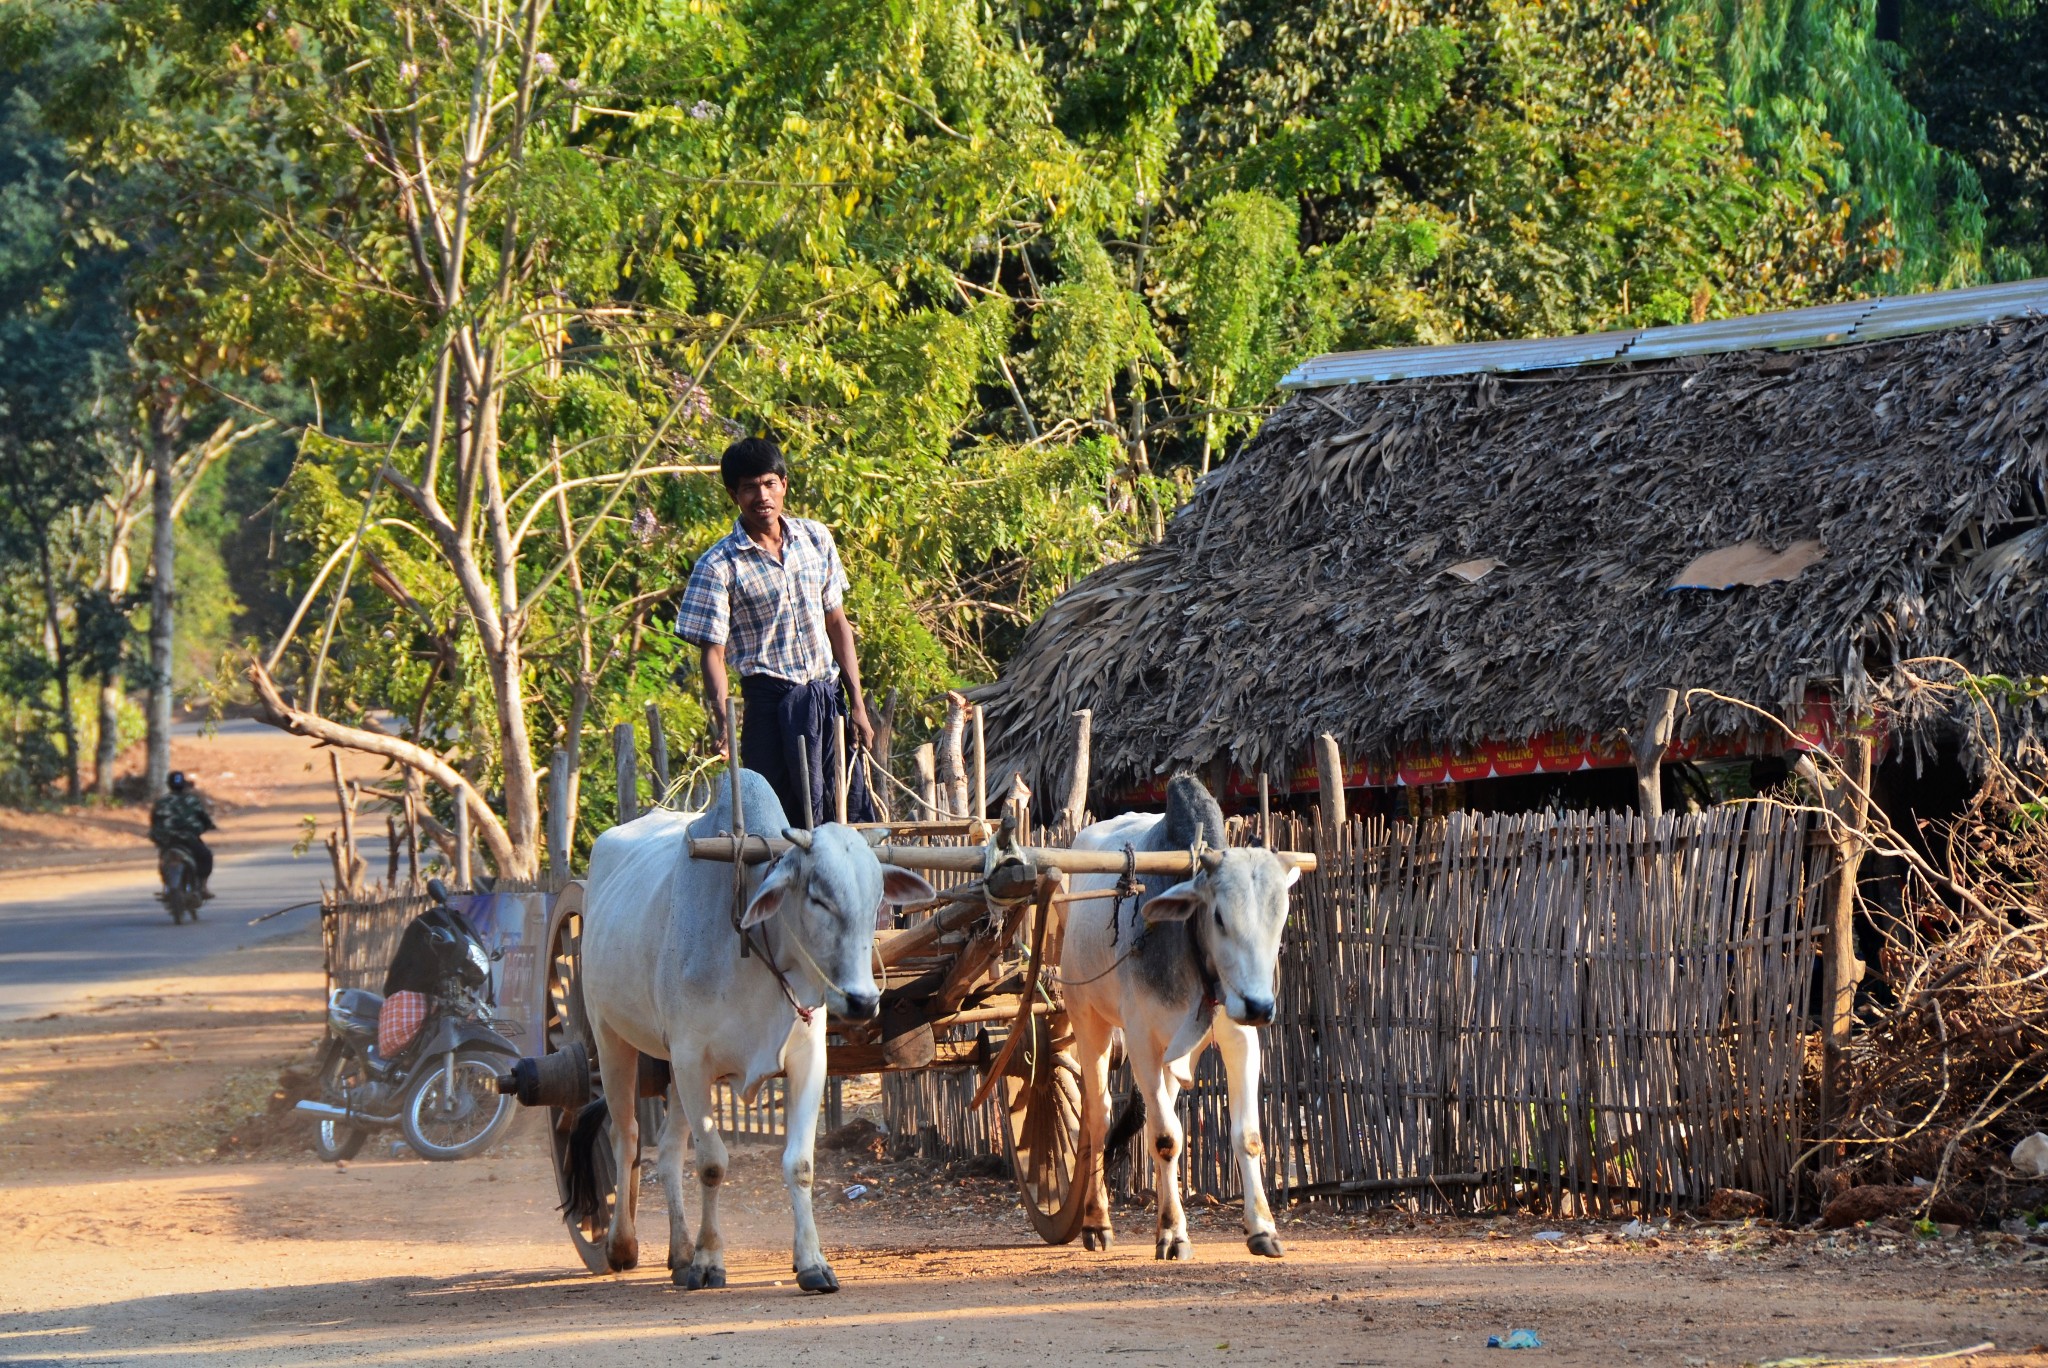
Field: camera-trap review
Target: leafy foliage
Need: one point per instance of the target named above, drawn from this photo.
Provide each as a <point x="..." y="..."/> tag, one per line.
<point x="1004" y="280"/>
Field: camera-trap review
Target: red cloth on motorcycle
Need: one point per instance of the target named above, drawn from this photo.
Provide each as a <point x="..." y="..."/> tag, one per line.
<point x="399" y="1020"/>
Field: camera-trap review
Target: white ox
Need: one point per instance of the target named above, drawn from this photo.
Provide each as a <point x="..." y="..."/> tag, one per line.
<point x="1176" y="967"/>
<point x="662" y="974"/>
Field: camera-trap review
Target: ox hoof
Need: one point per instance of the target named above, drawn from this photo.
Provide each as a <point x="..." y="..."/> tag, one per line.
<point x="623" y="1260"/>
<point x="695" y="1279"/>
<point x="1173" y="1247"/>
<point x="1264" y="1244"/>
<point x="817" y="1279"/>
<point x="1097" y="1237"/>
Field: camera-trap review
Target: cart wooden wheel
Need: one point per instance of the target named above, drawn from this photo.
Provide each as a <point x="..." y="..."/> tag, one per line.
<point x="1041" y="1090"/>
<point x="564" y="1023"/>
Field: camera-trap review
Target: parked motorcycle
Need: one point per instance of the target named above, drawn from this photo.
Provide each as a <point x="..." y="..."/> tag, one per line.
<point x="441" y="1088"/>
<point x="181" y="894"/>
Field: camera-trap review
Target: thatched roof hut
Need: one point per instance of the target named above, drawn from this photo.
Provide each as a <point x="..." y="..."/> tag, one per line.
<point x="1428" y="560"/>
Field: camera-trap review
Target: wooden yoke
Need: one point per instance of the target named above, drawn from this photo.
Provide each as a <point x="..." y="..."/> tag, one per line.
<point x="968" y="859"/>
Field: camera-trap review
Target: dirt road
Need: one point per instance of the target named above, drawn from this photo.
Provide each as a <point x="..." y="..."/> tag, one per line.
<point x="139" y="1228"/>
<point x="78" y="906"/>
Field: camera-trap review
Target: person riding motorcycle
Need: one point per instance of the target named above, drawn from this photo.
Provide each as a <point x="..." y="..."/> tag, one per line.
<point x="178" y="820"/>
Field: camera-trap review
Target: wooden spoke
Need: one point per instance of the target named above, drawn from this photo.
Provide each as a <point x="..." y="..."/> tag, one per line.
<point x="1042" y="1127"/>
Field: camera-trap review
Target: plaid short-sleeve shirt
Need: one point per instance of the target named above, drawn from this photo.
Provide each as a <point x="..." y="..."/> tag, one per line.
<point x="768" y="613"/>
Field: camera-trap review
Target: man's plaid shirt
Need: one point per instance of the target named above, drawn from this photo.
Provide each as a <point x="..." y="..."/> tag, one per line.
<point x="769" y="614"/>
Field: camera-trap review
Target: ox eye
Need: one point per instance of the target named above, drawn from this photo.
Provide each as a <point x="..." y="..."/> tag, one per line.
<point x="1218" y="914"/>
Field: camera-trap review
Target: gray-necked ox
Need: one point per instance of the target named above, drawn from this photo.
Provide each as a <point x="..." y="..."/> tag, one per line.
<point x="1176" y="967"/>
<point x="662" y="974"/>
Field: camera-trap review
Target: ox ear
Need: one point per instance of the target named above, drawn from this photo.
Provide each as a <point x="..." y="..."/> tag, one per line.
<point x="1293" y="876"/>
<point x="781" y="885"/>
<point x="1177" y="903"/>
<point x="901" y="887"/>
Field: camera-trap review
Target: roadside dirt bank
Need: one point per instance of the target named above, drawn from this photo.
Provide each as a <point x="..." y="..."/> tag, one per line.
<point x="134" y="1235"/>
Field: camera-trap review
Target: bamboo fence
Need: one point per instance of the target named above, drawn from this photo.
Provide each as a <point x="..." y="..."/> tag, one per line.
<point x="1582" y="1011"/>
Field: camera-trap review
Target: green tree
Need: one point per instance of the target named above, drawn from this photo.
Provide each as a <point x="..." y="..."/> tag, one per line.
<point x="1795" y="68"/>
<point x="1978" y="71"/>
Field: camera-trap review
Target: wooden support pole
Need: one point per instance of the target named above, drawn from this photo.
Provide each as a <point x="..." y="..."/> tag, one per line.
<point x="1649" y="748"/>
<point x="1076" y="810"/>
<point x="412" y="832"/>
<point x="926" y="760"/>
<point x="953" y="758"/>
<point x="393" y="844"/>
<point x="657" y="753"/>
<point x="839" y="770"/>
<point x="803" y="760"/>
<point x="1265" y="808"/>
<point x="463" y="850"/>
<point x="1841" y="971"/>
<point x="558" y="813"/>
<point x="626" y="759"/>
<point x="349" y="862"/>
<point x="739" y="820"/>
<point x="1330" y="776"/>
<point x="980" y="766"/>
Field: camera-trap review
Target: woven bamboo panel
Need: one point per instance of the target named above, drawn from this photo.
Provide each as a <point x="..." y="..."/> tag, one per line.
<point x="1579" y="1010"/>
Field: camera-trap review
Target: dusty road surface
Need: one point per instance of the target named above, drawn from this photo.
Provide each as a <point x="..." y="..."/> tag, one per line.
<point x="152" y="1213"/>
<point x="78" y="886"/>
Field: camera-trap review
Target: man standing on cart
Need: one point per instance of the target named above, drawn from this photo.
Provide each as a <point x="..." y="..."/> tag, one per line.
<point x="769" y="599"/>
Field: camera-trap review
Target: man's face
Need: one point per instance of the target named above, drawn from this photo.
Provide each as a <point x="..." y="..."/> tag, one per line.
<point x="760" y="499"/>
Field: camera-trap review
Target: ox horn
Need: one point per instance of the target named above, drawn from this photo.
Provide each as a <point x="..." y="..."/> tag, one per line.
<point x="800" y="839"/>
<point x="1212" y="860"/>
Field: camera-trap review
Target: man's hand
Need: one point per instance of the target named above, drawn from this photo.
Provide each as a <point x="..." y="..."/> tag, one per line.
<point x="857" y="722"/>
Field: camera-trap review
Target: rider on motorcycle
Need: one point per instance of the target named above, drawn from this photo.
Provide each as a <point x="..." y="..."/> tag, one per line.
<point x="177" y="822"/>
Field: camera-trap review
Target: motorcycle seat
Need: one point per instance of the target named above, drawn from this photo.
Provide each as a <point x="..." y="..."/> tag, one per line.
<point x="355" y="1010"/>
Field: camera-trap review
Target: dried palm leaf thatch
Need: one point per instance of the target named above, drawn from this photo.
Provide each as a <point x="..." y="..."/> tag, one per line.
<point x="1304" y="588"/>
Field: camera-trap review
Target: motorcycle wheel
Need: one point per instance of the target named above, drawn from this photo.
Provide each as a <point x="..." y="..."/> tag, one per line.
<point x="441" y="1125"/>
<point x="174" y="890"/>
<point x="337" y="1140"/>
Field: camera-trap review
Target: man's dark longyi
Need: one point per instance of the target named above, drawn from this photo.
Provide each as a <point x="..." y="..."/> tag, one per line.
<point x="779" y="716"/>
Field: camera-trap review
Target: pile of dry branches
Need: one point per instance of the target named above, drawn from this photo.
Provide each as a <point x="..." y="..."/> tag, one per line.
<point x="1949" y="1065"/>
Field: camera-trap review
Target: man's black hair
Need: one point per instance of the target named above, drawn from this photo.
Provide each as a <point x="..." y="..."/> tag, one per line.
<point x="750" y="458"/>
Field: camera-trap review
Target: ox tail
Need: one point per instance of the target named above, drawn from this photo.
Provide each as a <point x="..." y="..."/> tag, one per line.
<point x="1128" y="1123"/>
<point x="583" y="1176"/>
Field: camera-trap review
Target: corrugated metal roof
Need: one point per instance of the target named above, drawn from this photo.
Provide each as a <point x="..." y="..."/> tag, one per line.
<point x="1403" y="363"/>
<point x="1754" y="332"/>
<point x="1824" y="325"/>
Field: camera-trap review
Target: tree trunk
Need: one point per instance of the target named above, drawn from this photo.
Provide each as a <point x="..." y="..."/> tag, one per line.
<point x="165" y="426"/>
<point x="108" y="751"/>
<point x="56" y="630"/>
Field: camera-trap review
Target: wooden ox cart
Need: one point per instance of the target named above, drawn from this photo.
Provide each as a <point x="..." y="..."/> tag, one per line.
<point x="969" y="979"/>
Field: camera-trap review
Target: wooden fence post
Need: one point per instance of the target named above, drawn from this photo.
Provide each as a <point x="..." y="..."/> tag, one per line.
<point x="1840" y="969"/>
<point x="1265" y="809"/>
<point x="1330" y="775"/>
<point x="840" y="772"/>
<point x="558" y="813"/>
<point x="657" y="753"/>
<point x="626" y="759"/>
<point x="926" y="760"/>
<point x="980" y="766"/>
<point x="1076" y="810"/>
<point x="462" y="847"/>
<point x="953" y="757"/>
<point x="1649" y="751"/>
